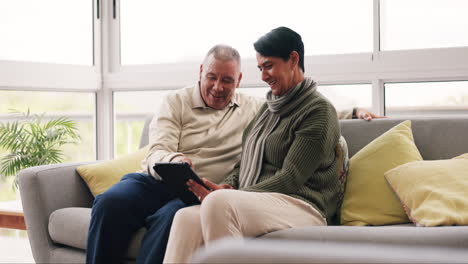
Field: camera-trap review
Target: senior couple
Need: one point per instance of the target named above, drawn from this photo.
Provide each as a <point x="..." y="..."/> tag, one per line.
<point x="271" y="165"/>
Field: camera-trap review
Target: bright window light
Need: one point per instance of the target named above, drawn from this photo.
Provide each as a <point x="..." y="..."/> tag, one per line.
<point x="183" y="30"/>
<point x="259" y="92"/>
<point x="420" y="24"/>
<point x="343" y="97"/>
<point x="426" y="98"/>
<point x="51" y="31"/>
<point x="347" y="96"/>
<point x="131" y="110"/>
<point x="79" y="107"/>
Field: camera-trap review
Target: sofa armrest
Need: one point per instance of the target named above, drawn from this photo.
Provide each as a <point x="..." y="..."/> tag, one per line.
<point x="43" y="190"/>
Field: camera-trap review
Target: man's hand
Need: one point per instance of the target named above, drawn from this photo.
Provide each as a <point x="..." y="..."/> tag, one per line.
<point x="362" y="113"/>
<point x="201" y="192"/>
<point x="182" y="158"/>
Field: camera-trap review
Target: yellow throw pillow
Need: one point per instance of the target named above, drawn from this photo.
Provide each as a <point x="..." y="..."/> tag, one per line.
<point x="434" y="192"/>
<point x="102" y="175"/>
<point x="368" y="199"/>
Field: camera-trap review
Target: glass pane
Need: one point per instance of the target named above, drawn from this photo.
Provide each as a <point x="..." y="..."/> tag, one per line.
<point x="131" y="110"/>
<point x="79" y="107"/>
<point x="420" y="24"/>
<point x="345" y="97"/>
<point x="53" y="31"/>
<point x="259" y="92"/>
<point x="426" y="99"/>
<point x="153" y="32"/>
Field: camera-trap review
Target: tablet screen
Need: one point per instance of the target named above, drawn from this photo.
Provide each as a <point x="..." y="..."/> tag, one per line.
<point x="176" y="175"/>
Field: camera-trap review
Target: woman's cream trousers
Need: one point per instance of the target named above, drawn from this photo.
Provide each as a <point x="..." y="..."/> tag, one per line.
<point x="234" y="213"/>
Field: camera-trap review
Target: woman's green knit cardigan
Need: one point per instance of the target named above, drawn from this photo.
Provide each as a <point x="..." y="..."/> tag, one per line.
<point x="300" y="156"/>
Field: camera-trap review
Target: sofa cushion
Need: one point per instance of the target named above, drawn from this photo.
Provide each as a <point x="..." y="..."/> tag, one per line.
<point x="236" y="251"/>
<point x="433" y="192"/>
<point x="69" y="226"/>
<point x="407" y="234"/>
<point x="368" y="199"/>
<point x="101" y="176"/>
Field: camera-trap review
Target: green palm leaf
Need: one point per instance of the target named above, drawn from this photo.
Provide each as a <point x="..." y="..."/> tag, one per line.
<point x="32" y="141"/>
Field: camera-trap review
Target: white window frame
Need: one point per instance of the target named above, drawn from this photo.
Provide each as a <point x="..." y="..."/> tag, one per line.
<point x="372" y="67"/>
<point x="58" y="77"/>
<point x="375" y="68"/>
<point x="107" y="75"/>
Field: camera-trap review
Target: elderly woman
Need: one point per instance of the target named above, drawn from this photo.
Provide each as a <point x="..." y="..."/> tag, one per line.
<point x="289" y="173"/>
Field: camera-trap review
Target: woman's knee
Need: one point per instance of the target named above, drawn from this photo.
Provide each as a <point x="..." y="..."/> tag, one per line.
<point x="187" y="217"/>
<point x="221" y="198"/>
<point x="219" y="214"/>
<point x="220" y="202"/>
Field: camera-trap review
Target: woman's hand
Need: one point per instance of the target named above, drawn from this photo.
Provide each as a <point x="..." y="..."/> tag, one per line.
<point x="201" y="192"/>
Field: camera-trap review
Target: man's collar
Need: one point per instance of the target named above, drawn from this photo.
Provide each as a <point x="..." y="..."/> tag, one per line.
<point x="197" y="100"/>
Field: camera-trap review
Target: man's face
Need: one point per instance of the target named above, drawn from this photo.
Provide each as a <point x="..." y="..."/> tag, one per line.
<point x="277" y="73"/>
<point x="218" y="80"/>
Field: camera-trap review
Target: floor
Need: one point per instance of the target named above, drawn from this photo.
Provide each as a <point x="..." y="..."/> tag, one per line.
<point x="14" y="247"/>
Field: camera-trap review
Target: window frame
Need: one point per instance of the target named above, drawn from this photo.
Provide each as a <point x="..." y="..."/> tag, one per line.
<point x="107" y="76"/>
<point x="59" y="77"/>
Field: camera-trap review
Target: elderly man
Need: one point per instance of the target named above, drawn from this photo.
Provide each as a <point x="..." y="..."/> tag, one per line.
<point x="201" y="125"/>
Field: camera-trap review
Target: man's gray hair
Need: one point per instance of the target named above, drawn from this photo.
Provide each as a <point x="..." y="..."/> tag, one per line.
<point x="224" y="53"/>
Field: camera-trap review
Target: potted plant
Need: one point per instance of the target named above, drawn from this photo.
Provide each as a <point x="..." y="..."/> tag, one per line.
<point x="32" y="140"/>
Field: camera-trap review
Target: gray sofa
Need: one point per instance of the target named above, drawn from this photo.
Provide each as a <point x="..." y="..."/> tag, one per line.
<point x="57" y="204"/>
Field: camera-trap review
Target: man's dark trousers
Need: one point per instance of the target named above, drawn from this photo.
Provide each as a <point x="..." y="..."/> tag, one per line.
<point x="137" y="201"/>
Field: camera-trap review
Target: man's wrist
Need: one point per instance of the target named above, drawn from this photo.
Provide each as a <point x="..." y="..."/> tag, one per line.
<point x="172" y="156"/>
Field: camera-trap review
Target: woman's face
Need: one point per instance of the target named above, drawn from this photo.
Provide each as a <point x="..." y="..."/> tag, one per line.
<point x="277" y="73"/>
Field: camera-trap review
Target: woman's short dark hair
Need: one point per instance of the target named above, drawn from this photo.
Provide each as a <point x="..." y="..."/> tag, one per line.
<point x="280" y="42"/>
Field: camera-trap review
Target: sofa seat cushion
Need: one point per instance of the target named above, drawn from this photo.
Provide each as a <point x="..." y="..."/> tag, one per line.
<point x="236" y="251"/>
<point x="409" y="234"/>
<point x="69" y="226"/>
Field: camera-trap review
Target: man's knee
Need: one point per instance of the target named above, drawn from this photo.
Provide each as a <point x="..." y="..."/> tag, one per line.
<point x="171" y="208"/>
<point x="134" y="176"/>
<point x="119" y="195"/>
<point x="108" y="201"/>
<point x="166" y="214"/>
<point x="111" y="202"/>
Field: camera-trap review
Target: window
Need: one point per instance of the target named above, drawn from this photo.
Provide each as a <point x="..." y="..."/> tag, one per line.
<point x="345" y="97"/>
<point x="259" y="92"/>
<point x="131" y="110"/>
<point x="79" y="107"/>
<point x="420" y="24"/>
<point x="152" y="32"/>
<point x="146" y="46"/>
<point x="52" y="31"/>
<point x="426" y="99"/>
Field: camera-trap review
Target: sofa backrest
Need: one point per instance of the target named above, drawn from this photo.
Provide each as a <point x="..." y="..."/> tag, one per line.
<point x="436" y="138"/>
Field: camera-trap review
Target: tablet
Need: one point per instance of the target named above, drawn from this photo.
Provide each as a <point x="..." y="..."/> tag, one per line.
<point x="176" y="175"/>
